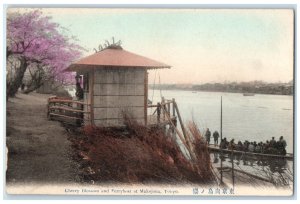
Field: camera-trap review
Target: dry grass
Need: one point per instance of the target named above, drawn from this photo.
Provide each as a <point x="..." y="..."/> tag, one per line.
<point x="137" y="154"/>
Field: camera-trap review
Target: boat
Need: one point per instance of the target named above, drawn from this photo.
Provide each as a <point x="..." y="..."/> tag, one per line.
<point x="288" y="156"/>
<point x="248" y="94"/>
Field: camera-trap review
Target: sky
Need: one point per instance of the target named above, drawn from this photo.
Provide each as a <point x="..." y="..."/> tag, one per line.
<point x="201" y="45"/>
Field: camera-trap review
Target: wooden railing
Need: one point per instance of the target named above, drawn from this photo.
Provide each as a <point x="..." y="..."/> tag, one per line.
<point x="67" y="110"/>
<point x="162" y="109"/>
<point x="167" y="112"/>
<point x="165" y="109"/>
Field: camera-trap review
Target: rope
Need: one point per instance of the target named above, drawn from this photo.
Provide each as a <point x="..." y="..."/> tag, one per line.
<point x="153" y="86"/>
<point x="159" y="86"/>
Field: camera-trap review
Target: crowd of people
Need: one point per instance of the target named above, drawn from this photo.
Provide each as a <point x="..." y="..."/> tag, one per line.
<point x="268" y="147"/>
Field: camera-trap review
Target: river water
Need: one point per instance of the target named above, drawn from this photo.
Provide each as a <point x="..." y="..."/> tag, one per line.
<point x="253" y="118"/>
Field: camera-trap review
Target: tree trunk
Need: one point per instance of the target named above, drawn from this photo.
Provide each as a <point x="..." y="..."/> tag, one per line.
<point x="32" y="88"/>
<point x="16" y="83"/>
<point x="37" y="80"/>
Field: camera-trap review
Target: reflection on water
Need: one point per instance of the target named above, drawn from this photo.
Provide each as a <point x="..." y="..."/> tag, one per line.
<point x="215" y="158"/>
<point x="277" y="171"/>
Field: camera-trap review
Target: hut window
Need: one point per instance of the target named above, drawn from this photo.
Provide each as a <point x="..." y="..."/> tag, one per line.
<point x="86" y="82"/>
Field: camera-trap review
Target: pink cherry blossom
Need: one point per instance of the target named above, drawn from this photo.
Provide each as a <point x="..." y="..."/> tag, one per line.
<point x="33" y="37"/>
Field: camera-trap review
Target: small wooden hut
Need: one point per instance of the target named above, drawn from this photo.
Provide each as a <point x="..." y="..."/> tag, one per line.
<point x="115" y="81"/>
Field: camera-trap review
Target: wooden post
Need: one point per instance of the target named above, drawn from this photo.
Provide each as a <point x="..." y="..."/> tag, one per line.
<point x="163" y="108"/>
<point x="221" y="119"/>
<point x="91" y="95"/>
<point x="158" y="110"/>
<point x="180" y="121"/>
<point x="232" y="168"/>
<point x="169" y="109"/>
<point x="174" y="117"/>
<point x="188" y="141"/>
<point x="182" y="138"/>
<point x="146" y="97"/>
<point x="173" y="108"/>
<point x="221" y="153"/>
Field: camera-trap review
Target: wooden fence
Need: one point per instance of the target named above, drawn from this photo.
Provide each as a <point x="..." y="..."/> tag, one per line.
<point x="68" y="110"/>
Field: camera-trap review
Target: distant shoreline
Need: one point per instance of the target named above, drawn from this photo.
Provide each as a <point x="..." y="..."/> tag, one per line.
<point x="178" y="89"/>
<point x="243" y="87"/>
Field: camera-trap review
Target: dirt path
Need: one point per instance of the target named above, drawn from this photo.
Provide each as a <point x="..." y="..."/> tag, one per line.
<point x="39" y="151"/>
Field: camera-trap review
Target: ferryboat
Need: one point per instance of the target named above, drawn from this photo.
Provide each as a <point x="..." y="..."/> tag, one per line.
<point x="212" y="148"/>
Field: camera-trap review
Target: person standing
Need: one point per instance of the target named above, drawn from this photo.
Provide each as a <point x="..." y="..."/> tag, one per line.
<point x="231" y="145"/>
<point x="281" y="146"/>
<point x="273" y="143"/>
<point x="207" y="136"/>
<point x="222" y="144"/>
<point x="216" y="138"/>
<point x="79" y="91"/>
<point x="79" y="96"/>
<point x="251" y="147"/>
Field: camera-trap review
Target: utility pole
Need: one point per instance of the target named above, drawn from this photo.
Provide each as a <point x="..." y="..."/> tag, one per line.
<point x="221" y="152"/>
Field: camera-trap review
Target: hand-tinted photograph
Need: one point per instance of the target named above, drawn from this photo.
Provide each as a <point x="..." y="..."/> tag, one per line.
<point x="150" y="101"/>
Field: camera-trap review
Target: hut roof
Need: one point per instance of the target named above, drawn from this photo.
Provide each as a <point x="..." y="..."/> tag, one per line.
<point x="112" y="57"/>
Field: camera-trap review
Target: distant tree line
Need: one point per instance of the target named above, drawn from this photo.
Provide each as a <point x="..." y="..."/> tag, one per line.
<point x="257" y="87"/>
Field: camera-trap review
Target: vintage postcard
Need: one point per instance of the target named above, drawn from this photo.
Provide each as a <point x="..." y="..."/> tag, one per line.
<point x="150" y="101"/>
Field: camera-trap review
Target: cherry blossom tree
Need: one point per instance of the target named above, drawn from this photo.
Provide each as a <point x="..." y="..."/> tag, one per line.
<point x="40" y="46"/>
